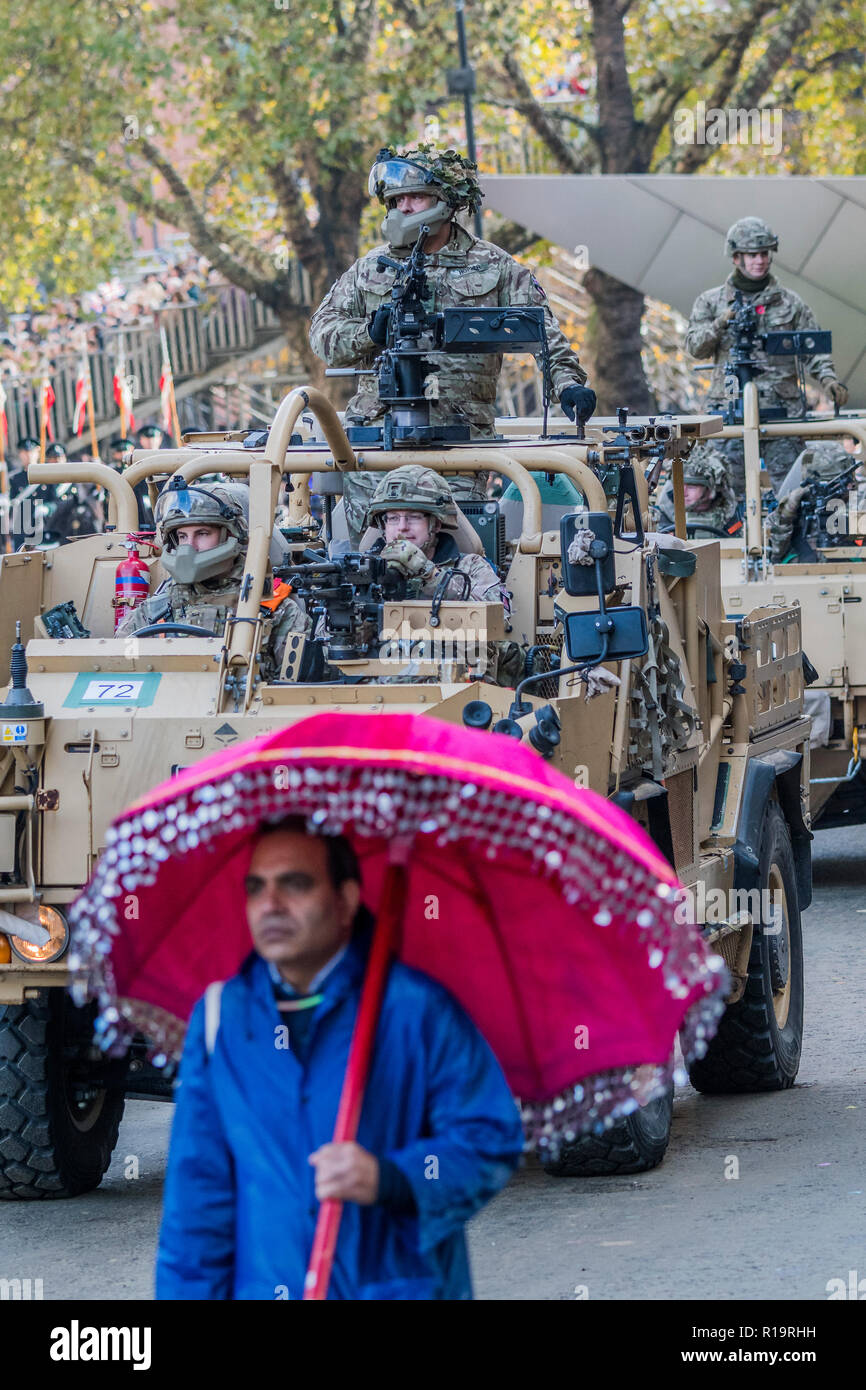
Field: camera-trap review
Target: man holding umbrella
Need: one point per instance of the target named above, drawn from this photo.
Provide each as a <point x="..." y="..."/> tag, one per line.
<point x="251" y="1153"/>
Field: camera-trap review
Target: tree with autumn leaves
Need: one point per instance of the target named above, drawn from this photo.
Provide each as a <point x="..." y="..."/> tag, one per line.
<point x="251" y="126"/>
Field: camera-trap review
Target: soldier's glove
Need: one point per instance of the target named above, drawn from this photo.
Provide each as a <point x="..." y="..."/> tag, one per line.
<point x="789" y="506"/>
<point x="578" y="550"/>
<point x="838" y="392"/>
<point x="599" y="681"/>
<point x="378" y="325"/>
<point x="409" y="559"/>
<point x="578" y="403"/>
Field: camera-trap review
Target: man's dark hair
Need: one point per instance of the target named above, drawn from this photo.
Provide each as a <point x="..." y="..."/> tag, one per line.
<point x="343" y="866"/>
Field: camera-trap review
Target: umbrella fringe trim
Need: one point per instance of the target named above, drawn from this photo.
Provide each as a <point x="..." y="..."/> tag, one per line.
<point x="381" y="802"/>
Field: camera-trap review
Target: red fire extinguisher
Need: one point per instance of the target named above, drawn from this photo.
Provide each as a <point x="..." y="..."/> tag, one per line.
<point x="131" y="580"/>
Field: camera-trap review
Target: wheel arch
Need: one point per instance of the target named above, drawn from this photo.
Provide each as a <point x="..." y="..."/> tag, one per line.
<point x="773" y="772"/>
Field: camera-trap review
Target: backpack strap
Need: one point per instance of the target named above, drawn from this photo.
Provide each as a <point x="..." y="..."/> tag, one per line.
<point x="212" y="1007"/>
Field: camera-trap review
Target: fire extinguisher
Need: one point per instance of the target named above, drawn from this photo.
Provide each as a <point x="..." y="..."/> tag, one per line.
<point x="131" y="581"/>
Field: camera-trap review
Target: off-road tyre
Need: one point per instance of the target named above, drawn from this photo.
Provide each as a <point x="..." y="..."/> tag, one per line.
<point x="634" y="1145"/>
<point x="759" y="1040"/>
<point x="59" y="1111"/>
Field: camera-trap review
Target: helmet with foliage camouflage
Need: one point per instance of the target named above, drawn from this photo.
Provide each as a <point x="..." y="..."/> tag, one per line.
<point x="444" y="174"/>
<point x="201" y="504"/>
<point x="750" y="234"/>
<point x="705" y="466"/>
<point x="412" y="489"/>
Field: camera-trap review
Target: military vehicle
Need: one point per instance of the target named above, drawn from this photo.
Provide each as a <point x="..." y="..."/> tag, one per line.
<point x="703" y="739"/>
<point x="826" y="580"/>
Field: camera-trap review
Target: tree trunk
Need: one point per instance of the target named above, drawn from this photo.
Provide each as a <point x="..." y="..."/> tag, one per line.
<point x="613" y="345"/>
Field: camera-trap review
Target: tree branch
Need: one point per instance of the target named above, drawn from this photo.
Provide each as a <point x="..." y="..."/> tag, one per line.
<point x="796" y="20"/>
<point x="246" y="255"/>
<point x="513" y="237"/>
<point x="208" y="238"/>
<point x="522" y="107"/>
<point x="569" y="159"/>
<point x="302" y="236"/>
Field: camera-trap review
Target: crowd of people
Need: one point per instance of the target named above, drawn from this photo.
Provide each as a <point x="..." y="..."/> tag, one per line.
<point x="43" y="336"/>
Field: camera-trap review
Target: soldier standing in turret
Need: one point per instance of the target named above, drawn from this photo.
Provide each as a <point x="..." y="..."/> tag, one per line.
<point x="751" y="243"/>
<point x="426" y="188"/>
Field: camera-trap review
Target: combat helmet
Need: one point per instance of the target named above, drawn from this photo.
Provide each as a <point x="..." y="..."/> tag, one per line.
<point x="424" y="169"/>
<point x="212" y="504"/>
<point x="705" y="466"/>
<point x="412" y="488"/>
<point x="750" y="234"/>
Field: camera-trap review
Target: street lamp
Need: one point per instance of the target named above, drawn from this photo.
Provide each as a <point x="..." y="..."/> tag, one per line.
<point x="461" y="82"/>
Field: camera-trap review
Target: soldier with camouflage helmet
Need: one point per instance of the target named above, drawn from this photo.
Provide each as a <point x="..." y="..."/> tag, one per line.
<point x="203" y="529"/>
<point x="425" y="187"/>
<point x="414" y="509"/>
<point x="821" y="460"/>
<point x="709" y="497"/>
<point x="751" y="243"/>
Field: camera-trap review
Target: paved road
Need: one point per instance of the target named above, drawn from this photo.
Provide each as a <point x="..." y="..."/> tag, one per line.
<point x="794" y="1219"/>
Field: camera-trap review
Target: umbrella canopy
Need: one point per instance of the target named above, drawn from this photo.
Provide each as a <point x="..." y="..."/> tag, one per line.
<point x="544" y="908"/>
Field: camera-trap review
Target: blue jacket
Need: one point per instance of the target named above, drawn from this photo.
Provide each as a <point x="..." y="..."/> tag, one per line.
<point x="240" y="1206"/>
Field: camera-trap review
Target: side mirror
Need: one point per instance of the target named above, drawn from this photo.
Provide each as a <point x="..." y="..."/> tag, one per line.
<point x="625" y="628"/>
<point x="582" y="579"/>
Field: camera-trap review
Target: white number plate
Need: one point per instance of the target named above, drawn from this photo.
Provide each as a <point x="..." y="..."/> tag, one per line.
<point x="112" y="692"/>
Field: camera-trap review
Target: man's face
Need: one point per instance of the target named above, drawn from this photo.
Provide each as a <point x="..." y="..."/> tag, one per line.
<point x="27" y="456"/>
<point x="409" y="526"/>
<point x="149" y="441"/>
<point x="199" y="537"/>
<point x="755" y="264"/>
<point x="850" y="444"/>
<point x="412" y="202"/>
<point x="296" y="917"/>
<point x="698" y="496"/>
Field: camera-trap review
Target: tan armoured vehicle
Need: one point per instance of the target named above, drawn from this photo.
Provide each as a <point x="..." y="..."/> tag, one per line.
<point x="827" y="581"/>
<point x="703" y="739"/>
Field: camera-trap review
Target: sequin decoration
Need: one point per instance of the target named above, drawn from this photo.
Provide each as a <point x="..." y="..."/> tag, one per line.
<point x="393" y="802"/>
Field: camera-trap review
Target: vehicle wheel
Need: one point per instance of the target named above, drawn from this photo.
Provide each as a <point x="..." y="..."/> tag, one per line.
<point x="758" y="1044"/>
<point x="634" y="1145"/>
<point x="59" y="1109"/>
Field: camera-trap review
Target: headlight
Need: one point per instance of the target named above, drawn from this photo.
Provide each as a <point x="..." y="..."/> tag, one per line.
<point x="53" y="922"/>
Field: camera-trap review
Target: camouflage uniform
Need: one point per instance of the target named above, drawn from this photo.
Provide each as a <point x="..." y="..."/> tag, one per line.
<point x="704" y="465"/>
<point x="414" y="488"/>
<point x="820" y="460"/>
<point x="468" y="273"/>
<point x="211" y="601"/>
<point x="780" y="310"/>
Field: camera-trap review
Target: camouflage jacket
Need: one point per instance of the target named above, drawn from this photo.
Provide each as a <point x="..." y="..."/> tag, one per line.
<point x="779" y="309"/>
<point x="208" y="605"/>
<point x="485" y="586"/>
<point x="466" y="272"/>
<point x="822" y="460"/>
<point x="719" y="515"/>
<point x="501" y="662"/>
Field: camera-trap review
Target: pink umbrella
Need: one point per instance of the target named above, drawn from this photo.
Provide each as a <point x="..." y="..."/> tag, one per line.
<point x="544" y="909"/>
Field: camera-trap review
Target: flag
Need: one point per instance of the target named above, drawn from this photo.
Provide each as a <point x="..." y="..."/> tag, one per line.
<point x="48" y="399"/>
<point x="122" y="392"/>
<point x="166" y="383"/>
<point x="4" y="424"/>
<point x="82" y="395"/>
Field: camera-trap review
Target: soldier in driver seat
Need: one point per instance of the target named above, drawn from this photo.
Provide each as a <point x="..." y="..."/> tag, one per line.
<point x="203" y="530"/>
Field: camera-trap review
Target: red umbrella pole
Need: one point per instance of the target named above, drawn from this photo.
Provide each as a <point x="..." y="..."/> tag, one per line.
<point x="385" y="939"/>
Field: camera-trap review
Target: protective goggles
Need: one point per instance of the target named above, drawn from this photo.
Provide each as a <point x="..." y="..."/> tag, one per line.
<point x="389" y="177"/>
